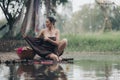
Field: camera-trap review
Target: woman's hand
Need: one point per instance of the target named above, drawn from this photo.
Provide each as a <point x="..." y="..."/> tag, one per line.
<point x="46" y="38"/>
<point x="50" y="40"/>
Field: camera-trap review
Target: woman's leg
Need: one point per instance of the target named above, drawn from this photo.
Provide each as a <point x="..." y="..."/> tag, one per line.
<point x="53" y="56"/>
<point x="62" y="45"/>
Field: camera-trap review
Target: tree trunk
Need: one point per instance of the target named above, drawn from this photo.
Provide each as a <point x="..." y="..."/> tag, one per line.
<point x="27" y="22"/>
<point x="39" y="18"/>
<point x="48" y="7"/>
<point x="32" y="17"/>
<point x="18" y="23"/>
<point x="23" y="23"/>
<point x="107" y="26"/>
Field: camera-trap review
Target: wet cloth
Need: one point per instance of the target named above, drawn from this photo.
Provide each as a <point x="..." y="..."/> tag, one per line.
<point x="41" y="47"/>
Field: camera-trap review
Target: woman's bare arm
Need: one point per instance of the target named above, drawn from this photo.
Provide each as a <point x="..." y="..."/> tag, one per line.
<point x="40" y="33"/>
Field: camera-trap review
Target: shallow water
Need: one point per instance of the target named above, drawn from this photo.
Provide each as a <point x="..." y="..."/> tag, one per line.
<point x="79" y="70"/>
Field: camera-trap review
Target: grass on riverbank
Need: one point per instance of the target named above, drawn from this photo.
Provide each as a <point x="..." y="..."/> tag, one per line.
<point x="93" y="42"/>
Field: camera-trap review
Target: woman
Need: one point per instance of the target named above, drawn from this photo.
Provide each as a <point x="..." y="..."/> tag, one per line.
<point x="48" y="44"/>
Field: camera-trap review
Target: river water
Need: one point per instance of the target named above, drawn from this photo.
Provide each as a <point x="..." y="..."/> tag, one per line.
<point x="79" y="70"/>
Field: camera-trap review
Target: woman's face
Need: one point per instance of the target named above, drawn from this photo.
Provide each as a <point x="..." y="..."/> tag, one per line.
<point x="48" y="23"/>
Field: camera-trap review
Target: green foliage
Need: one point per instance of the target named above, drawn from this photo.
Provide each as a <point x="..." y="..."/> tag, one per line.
<point x="115" y="19"/>
<point x="88" y="18"/>
<point x="90" y="42"/>
<point x="91" y="18"/>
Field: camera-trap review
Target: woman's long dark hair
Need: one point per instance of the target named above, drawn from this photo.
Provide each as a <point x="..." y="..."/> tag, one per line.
<point x="52" y="20"/>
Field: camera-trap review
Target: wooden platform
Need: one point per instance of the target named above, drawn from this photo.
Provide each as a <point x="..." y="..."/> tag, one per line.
<point x="11" y="57"/>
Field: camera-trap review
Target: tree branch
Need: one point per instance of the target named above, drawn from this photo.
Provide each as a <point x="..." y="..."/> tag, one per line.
<point x="8" y="5"/>
<point x="1" y="28"/>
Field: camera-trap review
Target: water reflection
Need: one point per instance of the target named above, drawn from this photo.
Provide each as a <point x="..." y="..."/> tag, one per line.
<point x="82" y="70"/>
<point x="97" y="70"/>
<point x="41" y="72"/>
<point x="4" y="72"/>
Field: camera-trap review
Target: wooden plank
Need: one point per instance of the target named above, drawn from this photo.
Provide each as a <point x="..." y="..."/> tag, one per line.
<point x="36" y="61"/>
<point x="12" y="58"/>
